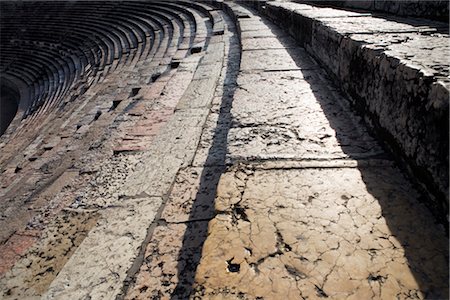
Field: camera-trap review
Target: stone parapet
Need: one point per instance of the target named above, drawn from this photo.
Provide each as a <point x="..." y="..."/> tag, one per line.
<point x="434" y="10"/>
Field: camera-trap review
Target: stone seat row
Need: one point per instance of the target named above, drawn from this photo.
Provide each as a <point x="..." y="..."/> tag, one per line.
<point x="58" y="70"/>
<point x="64" y="118"/>
<point x="145" y="28"/>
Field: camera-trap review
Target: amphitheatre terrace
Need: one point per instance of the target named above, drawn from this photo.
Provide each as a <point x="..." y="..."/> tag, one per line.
<point x="224" y="149"/>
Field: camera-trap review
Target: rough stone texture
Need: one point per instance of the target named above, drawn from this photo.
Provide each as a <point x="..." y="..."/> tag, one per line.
<point x="174" y="250"/>
<point x="311" y="233"/>
<point x="294" y="115"/>
<point x="165" y="268"/>
<point x="103" y="156"/>
<point x="39" y="266"/>
<point x="396" y="74"/>
<point x="98" y="267"/>
<point x="124" y="188"/>
<point x="311" y="206"/>
<point x="435" y="10"/>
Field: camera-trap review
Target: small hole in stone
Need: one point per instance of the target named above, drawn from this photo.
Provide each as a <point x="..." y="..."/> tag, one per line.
<point x="97" y="115"/>
<point x="196" y="50"/>
<point x="155" y="76"/>
<point x="115" y="104"/>
<point x="143" y="289"/>
<point x="375" y="278"/>
<point x="134" y="91"/>
<point x="233" y="268"/>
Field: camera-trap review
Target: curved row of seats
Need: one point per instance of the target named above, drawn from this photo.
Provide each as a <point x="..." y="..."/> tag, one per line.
<point x="55" y="47"/>
<point x="75" y="60"/>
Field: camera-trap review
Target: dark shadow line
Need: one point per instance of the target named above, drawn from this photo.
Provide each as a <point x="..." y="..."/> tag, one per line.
<point x="203" y="206"/>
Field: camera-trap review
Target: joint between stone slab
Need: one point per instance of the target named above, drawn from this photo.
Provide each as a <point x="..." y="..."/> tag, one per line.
<point x="165" y="222"/>
<point x="139" y="260"/>
<point x="290" y="164"/>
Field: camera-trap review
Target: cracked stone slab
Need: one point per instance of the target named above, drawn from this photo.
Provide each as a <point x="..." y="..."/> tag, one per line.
<point x="173" y="250"/>
<point x="366" y="25"/>
<point x="192" y="195"/>
<point x="212" y="147"/>
<point x="198" y="93"/>
<point x="294" y="114"/>
<point x="251" y="30"/>
<point x="172" y="149"/>
<point x="422" y="52"/>
<point x="167" y="269"/>
<point x="99" y="266"/>
<point x="310" y="233"/>
<point x="267" y="43"/>
<point x="397" y="73"/>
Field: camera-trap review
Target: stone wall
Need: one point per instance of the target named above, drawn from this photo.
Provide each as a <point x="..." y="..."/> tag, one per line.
<point x="434" y="9"/>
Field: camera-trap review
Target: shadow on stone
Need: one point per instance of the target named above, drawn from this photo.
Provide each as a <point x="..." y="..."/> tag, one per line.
<point x="403" y="204"/>
<point x="197" y="229"/>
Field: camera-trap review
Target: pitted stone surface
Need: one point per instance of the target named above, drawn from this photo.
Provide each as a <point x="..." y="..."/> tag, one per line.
<point x="419" y="50"/>
<point x="188" y="203"/>
<point x="98" y="267"/>
<point x="40" y="265"/>
<point x="124" y="143"/>
<point x="257" y="60"/>
<point x="312" y="233"/>
<point x="165" y="268"/>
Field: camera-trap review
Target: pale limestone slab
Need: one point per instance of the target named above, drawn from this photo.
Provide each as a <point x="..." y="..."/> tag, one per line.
<point x="172" y="149"/>
<point x="99" y="266"/>
<point x="294" y="115"/>
<point x="340" y="233"/>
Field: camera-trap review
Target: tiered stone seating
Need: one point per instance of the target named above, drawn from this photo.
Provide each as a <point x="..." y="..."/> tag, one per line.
<point x="81" y="65"/>
<point x="193" y="149"/>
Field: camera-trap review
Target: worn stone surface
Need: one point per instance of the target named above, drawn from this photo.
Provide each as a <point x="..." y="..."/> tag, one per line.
<point x="39" y="266"/>
<point x="312" y="206"/>
<point x="186" y="202"/>
<point x="390" y="68"/>
<point x="311" y="233"/>
<point x="165" y="268"/>
<point x="173" y="252"/>
<point x="435" y="10"/>
<point x="294" y="115"/>
<point x="98" y="267"/>
<point x="222" y="164"/>
<point x="140" y="122"/>
<point x="256" y="59"/>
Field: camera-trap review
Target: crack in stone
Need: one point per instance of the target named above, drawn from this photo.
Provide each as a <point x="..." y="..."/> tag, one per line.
<point x="320" y="292"/>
